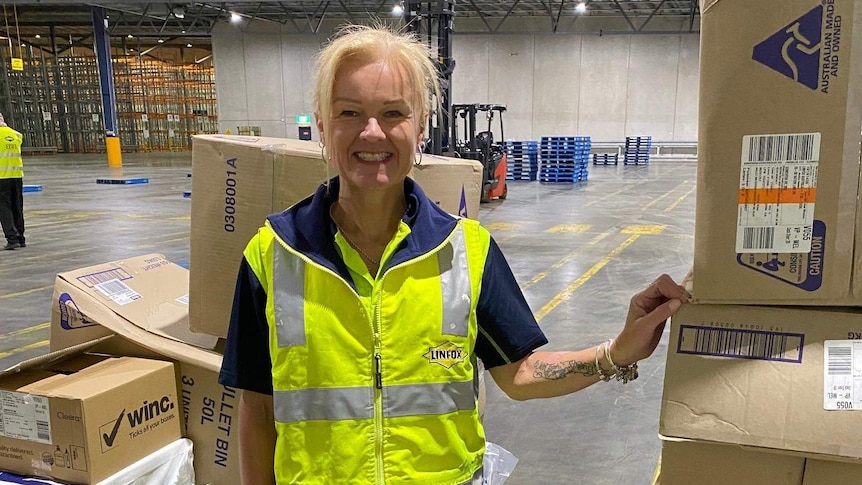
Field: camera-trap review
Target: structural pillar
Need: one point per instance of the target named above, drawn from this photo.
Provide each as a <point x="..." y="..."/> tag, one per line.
<point x="102" y="46"/>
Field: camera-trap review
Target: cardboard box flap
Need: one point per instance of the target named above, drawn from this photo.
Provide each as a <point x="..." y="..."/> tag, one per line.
<point x="43" y="361"/>
<point x="149" y="291"/>
<point x="280" y="146"/>
<point x="96" y="379"/>
<point x="705" y="5"/>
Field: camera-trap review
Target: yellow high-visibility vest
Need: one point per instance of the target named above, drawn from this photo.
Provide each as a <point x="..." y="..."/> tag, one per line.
<point x="383" y="398"/>
<point x="11" y="164"/>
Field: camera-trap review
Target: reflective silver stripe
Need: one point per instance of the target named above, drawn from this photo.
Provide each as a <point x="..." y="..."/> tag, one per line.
<point x="288" y="286"/>
<point x="455" y="285"/>
<point x="9" y="155"/>
<point x="13" y="167"/>
<point x="332" y="404"/>
<point x="416" y="399"/>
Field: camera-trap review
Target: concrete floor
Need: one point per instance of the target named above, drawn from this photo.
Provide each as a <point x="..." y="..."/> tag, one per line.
<point x="580" y="252"/>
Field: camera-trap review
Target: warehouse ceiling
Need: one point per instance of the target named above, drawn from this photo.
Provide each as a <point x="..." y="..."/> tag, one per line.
<point x="182" y="23"/>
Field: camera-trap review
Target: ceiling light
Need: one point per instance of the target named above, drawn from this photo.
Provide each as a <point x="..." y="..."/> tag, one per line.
<point x="398" y="9"/>
<point x="184" y="31"/>
<point x="38" y="36"/>
<point x="235" y="17"/>
<point x="130" y="36"/>
<point x="188" y="45"/>
<point x="581" y="7"/>
<point x="179" y="12"/>
<point x="161" y="41"/>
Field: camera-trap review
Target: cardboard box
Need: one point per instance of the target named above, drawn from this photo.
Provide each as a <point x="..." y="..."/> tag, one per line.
<point x="210" y="410"/>
<point x="770" y="377"/>
<point x="686" y="462"/>
<point x="238" y="181"/>
<point x="779" y="137"/>
<point x="85" y="418"/>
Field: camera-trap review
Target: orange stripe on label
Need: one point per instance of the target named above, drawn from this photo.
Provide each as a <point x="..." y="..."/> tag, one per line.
<point x="799" y="195"/>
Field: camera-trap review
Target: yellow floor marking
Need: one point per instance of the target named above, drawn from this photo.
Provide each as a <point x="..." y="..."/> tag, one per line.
<point x="677" y="201"/>
<point x="181" y="218"/>
<point x="655" y="201"/>
<point x="635" y="231"/>
<point x="569" y="228"/>
<point x="26" y="292"/>
<point x="22" y="331"/>
<point x="24" y="348"/>
<point x="501" y="226"/>
<point x="565" y="259"/>
<point x="644" y="229"/>
<point x="561" y="296"/>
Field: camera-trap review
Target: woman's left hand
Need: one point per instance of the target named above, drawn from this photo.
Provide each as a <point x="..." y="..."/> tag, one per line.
<point x="648" y="313"/>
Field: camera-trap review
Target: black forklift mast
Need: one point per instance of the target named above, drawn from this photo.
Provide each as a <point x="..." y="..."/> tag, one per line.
<point x="432" y="20"/>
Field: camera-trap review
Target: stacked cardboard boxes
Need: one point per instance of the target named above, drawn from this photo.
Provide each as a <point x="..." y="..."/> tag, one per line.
<point x="760" y="385"/>
<point x="143" y="303"/>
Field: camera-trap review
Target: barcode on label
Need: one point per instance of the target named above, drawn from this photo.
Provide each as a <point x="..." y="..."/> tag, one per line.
<point x="758" y="237"/>
<point x="783" y="148"/>
<point x="839" y="361"/>
<point x="113" y="287"/>
<point x="43" y="431"/>
<point x="118" y="292"/>
<point x="94" y="279"/>
<point x="740" y="344"/>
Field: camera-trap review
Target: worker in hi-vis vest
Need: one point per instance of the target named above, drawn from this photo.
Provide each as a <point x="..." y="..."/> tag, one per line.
<point x="11" y="186"/>
<point x="361" y="312"/>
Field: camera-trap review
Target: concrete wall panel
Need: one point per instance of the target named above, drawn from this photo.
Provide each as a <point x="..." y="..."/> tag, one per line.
<point x="510" y="82"/>
<point x="651" y="87"/>
<point x="688" y="87"/>
<point x="229" y="62"/>
<point x="556" y="86"/>
<point x="604" y="80"/>
<point x="263" y="72"/>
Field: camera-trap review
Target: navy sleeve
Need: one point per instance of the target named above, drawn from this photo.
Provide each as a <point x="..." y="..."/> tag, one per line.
<point x="508" y="330"/>
<point x="247" y="364"/>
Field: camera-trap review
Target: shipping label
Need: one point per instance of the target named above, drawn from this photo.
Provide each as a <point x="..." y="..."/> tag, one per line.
<point x="842" y="375"/>
<point x="777" y="193"/>
<point x="25" y="417"/>
<point x="118" y="292"/>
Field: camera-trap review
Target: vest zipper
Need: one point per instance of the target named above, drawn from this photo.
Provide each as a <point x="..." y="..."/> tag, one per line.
<point x="378" y="389"/>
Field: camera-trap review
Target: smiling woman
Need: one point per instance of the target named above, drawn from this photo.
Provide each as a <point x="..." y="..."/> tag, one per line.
<point x="362" y="313"/>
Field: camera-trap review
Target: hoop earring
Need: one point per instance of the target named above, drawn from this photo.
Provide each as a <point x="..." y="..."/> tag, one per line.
<point x="421" y="149"/>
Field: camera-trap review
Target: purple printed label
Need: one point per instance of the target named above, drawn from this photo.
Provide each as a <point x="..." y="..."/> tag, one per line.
<point x="741" y="343"/>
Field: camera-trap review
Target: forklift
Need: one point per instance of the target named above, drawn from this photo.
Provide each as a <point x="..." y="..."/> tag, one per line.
<point x="481" y="146"/>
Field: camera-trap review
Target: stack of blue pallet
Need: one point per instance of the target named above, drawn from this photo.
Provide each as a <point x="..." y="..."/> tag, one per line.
<point x="637" y="150"/>
<point x="605" y="158"/>
<point x="522" y="160"/>
<point x="564" y="158"/>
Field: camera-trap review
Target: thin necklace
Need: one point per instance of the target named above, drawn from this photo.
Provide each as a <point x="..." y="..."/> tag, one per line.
<point x="373" y="261"/>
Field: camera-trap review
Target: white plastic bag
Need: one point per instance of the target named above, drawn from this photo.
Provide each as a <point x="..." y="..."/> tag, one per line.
<point x="498" y="464"/>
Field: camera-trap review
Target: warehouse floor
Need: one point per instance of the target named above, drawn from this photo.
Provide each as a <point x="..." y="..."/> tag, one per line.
<point x="579" y="251"/>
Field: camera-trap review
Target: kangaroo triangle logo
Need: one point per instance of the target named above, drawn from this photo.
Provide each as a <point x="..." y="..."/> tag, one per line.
<point x="795" y="49"/>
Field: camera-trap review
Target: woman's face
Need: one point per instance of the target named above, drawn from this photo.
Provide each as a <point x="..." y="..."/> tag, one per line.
<point x="373" y="134"/>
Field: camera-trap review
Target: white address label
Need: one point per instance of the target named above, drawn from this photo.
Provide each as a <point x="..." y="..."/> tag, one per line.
<point x="842" y="375"/>
<point x="25" y="417"/>
<point x="118" y="292"/>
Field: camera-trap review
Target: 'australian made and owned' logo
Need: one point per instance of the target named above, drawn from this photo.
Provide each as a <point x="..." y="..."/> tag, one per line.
<point x="806" y="50"/>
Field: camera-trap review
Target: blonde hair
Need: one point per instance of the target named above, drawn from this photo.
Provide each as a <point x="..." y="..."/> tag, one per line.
<point x="361" y="42"/>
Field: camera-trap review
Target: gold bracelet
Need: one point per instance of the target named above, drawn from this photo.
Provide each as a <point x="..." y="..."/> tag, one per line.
<point x="603" y="375"/>
<point x="624" y="374"/>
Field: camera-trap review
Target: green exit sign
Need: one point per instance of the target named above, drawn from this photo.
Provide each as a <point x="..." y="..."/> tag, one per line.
<point x="303" y="119"/>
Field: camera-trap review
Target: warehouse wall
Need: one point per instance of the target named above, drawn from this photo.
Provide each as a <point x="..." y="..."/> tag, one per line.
<point x="575" y="83"/>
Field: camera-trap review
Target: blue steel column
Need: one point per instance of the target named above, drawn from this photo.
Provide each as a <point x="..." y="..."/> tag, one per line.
<point x="102" y="46"/>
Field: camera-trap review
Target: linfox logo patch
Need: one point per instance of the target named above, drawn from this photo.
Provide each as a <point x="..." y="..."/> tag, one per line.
<point x="446" y="354"/>
<point x="140" y="420"/>
<point x="807" y="49"/>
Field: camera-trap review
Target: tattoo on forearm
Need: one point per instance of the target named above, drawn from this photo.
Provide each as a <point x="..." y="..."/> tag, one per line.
<point x="559" y="370"/>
